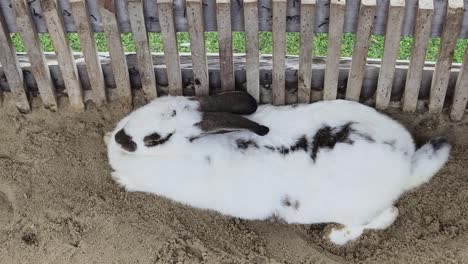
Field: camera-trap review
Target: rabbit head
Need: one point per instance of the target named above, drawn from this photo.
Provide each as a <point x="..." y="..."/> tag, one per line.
<point x="172" y="122"/>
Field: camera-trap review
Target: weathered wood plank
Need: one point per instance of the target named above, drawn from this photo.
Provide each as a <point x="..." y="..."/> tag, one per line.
<point x="305" y="62"/>
<point x="252" y="63"/>
<point x="279" y="52"/>
<point x="335" y="35"/>
<point x="89" y="48"/>
<point x="422" y="30"/>
<point x="64" y="52"/>
<point x="361" y="47"/>
<point x="197" y="47"/>
<point x="171" y="52"/>
<point x="460" y="96"/>
<point x="33" y="46"/>
<point x="12" y="70"/>
<point x="448" y="41"/>
<point x="223" y="13"/>
<point x="116" y="51"/>
<point x="145" y="61"/>
<point x="392" y="43"/>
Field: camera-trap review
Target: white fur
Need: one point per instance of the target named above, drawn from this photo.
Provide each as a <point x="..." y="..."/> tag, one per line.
<point x="354" y="185"/>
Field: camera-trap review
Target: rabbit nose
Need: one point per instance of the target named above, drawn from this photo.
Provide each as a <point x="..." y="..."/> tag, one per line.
<point x="125" y="141"/>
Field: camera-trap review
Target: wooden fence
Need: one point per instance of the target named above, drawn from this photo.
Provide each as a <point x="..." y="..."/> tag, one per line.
<point x="276" y="78"/>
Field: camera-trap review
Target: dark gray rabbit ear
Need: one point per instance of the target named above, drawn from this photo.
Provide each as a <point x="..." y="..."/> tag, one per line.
<point x="234" y="102"/>
<point x="220" y="123"/>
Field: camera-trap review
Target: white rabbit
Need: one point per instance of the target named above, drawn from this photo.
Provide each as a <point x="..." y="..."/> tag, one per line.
<point x="326" y="162"/>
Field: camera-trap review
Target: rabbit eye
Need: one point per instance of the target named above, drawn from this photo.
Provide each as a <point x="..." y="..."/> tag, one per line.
<point x="155" y="139"/>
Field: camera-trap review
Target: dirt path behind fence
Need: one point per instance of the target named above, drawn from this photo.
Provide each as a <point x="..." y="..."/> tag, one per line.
<point x="58" y="204"/>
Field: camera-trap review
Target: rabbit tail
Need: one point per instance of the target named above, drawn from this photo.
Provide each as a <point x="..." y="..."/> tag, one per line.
<point x="427" y="161"/>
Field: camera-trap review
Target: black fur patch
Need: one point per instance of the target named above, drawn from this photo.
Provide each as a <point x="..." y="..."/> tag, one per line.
<point x="155" y="139"/>
<point x="438" y="143"/>
<point x="287" y="202"/>
<point x="328" y="137"/>
<point x="244" y="144"/>
<point x="301" y="144"/>
<point x="365" y="136"/>
<point x="125" y="141"/>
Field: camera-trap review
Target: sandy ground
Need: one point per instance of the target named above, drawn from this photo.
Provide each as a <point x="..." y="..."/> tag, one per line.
<point x="58" y="204"/>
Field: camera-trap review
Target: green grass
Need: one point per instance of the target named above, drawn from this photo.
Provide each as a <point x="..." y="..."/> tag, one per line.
<point x="265" y="44"/>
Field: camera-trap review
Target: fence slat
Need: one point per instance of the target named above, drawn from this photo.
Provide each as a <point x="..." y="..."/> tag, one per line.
<point x="116" y="51"/>
<point x="145" y="60"/>
<point x="33" y="46"/>
<point x="440" y="78"/>
<point x="305" y="61"/>
<point x="197" y="47"/>
<point x="89" y="49"/>
<point x="396" y="15"/>
<point x="223" y="14"/>
<point x="335" y="35"/>
<point x="279" y="52"/>
<point x="12" y="69"/>
<point x="252" y="63"/>
<point x="422" y="33"/>
<point x="460" y="96"/>
<point x="171" y="52"/>
<point x="361" y="47"/>
<point x="67" y="65"/>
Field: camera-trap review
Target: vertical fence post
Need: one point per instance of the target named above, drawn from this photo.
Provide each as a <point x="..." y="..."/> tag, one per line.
<point x="335" y="36"/>
<point x="305" y="58"/>
<point x="116" y="51"/>
<point x="460" y="96"/>
<point x="361" y="47"/>
<point x="395" y="18"/>
<point x="66" y="61"/>
<point x="12" y="69"/>
<point x="421" y="35"/>
<point x="39" y="66"/>
<point x="89" y="49"/>
<point x="279" y="51"/>
<point x="171" y="49"/>
<point x="440" y="78"/>
<point x="143" y="52"/>
<point x="223" y="16"/>
<point x="252" y="63"/>
<point x="197" y="46"/>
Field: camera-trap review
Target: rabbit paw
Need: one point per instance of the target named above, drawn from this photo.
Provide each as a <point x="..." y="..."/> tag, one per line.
<point x="341" y="236"/>
<point x="107" y="137"/>
<point x="384" y="219"/>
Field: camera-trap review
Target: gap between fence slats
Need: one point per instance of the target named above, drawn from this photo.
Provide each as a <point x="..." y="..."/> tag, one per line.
<point x="440" y="78"/>
<point x="223" y="14"/>
<point x="460" y="96"/>
<point x="12" y="69"/>
<point x="171" y="49"/>
<point x="197" y="47"/>
<point x="33" y="46"/>
<point x="89" y="49"/>
<point x="335" y="35"/>
<point x="361" y="47"/>
<point x="306" y="44"/>
<point x="396" y="14"/>
<point x="145" y="60"/>
<point x="116" y="51"/>
<point x="68" y="69"/>
<point x="279" y="52"/>
<point x="252" y="63"/>
<point x="422" y="33"/>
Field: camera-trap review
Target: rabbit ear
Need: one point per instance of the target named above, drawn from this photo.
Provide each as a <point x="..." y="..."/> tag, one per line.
<point x="220" y="123"/>
<point x="234" y="102"/>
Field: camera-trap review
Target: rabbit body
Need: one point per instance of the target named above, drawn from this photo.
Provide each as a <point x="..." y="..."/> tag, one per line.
<point x="335" y="161"/>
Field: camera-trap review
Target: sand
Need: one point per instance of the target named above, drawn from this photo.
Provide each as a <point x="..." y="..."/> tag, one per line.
<point x="58" y="204"/>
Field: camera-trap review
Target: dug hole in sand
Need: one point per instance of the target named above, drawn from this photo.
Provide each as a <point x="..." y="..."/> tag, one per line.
<point x="58" y="204"/>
